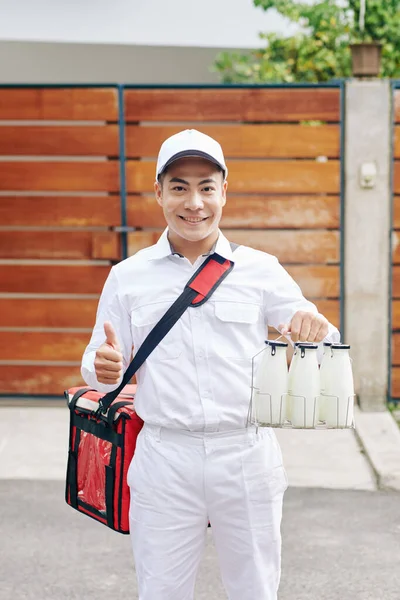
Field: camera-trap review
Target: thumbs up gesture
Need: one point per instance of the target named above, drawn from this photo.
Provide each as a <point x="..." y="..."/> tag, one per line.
<point x="108" y="362"/>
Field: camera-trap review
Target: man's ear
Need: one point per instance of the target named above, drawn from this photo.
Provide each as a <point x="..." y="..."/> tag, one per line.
<point x="158" y="192"/>
<point x="224" y="190"/>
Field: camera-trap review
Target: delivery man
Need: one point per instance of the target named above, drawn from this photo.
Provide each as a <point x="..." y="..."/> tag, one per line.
<point x="197" y="459"/>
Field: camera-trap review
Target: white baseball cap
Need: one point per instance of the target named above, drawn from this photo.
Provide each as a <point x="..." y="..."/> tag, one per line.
<point x="190" y="142"/>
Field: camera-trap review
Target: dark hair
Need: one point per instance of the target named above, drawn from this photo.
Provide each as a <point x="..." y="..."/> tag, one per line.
<point x="161" y="177"/>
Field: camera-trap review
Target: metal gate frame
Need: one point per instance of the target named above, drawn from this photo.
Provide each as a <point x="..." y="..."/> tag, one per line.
<point x="395" y="85"/>
<point x="124" y="229"/>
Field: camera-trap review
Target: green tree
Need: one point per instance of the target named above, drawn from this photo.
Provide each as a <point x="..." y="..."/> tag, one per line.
<point x="320" y="51"/>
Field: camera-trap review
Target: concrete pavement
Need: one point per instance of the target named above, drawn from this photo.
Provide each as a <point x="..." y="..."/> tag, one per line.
<point x="337" y="545"/>
<point x="340" y="533"/>
<point x="33" y="445"/>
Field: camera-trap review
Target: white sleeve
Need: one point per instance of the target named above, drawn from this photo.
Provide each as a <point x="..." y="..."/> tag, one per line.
<point x="286" y="298"/>
<point x="111" y="309"/>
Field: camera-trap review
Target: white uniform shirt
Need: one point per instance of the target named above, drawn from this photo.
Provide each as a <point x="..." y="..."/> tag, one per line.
<point x="199" y="376"/>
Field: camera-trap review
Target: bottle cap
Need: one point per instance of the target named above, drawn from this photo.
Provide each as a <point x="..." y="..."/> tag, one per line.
<point x="308" y="345"/>
<point x="276" y="344"/>
<point x="327" y="343"/>
<point x="340" y="347"/>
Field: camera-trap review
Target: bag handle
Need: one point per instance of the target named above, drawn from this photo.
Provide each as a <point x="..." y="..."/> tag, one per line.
<point x="197" y="291"/>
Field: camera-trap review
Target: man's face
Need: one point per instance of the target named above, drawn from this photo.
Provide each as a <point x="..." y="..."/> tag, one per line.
<point x="192" y="195"/>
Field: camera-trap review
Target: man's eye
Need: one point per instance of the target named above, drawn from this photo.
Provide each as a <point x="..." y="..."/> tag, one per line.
<point x="178" y="188"/>
<point x="208" y="189"/>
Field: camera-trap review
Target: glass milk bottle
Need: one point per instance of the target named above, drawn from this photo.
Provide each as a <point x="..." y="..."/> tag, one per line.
<point x="323" y="373"/>
<point x="305" y="387"/>
<point x="271" y="384"/>
<point x="339" y="388"/>
<point x="292" y="370"/>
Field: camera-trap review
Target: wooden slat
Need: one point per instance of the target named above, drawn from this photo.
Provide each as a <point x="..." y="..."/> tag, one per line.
<point x="319" y="247"/>
<point x="38" y="380"/>
<point x="396" y="247"/>
<point x="53" y="176"/>
<point x="48" y="312"/>
<point x="395" y="392"/>
<point x="331" y="310"/>
<point x="285" y="177"/>
<point x="78" y="104"/>
<point x="33" y="345"/>
<point x="396" y="314"/>
<point x="245" y="141"/>
<point x="396" y="177"/>
<point x="317" y="281"/>
<point x="396" y="282"/>
<point x="396" y="142"/>
<point x="72" y="211"/>
<point x="396" y="349"/>
<point x="397" y="106"/>
<point x="97" y="140"/>
<point x="396" y="212"/>
<point x="273" y="212"/>
<point x="141" y="239"/>
<point x="239" y="104"/>
<point x="49" y="279"/>
<point x="328" y="308"/>
<point x="294" y="247"/>
<point x="60" y="245"/>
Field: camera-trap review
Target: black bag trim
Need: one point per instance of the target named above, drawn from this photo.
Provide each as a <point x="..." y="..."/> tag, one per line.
<point x="121" y="477"/>
<point x="98" y="429"/>
<point x="72" y="471"/>
<point x="76" y="396"/>
<point x="96" y="515"/>
<point x="72" y="479"/>
<point x="110" y="485"/>
<point x="114" y="407"/>
<point x="90" y="508"/>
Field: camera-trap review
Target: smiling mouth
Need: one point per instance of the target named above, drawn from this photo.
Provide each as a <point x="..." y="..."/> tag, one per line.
<point x="193" y="219"/>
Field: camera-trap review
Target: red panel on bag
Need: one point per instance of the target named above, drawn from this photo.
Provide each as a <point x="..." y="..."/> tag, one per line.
<point x="93" y="456"/>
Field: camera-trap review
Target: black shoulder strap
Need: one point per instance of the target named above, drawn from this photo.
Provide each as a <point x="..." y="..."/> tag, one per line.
<point x="197" y="291"/>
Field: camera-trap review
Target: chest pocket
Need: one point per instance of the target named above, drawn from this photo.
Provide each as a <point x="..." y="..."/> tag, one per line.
<point x="144" y="319"/>
<point x="236" y="330"/>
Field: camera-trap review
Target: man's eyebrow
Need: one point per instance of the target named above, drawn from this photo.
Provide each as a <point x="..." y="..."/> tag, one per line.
<point x="207" y="181"/>
<point x="178" y="180"/>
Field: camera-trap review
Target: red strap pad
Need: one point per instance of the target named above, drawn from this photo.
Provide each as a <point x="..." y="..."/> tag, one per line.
<point x="208" y="278"/>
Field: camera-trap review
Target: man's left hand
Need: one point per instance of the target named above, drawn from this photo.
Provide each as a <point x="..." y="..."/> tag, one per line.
<point x="306" y="327"/>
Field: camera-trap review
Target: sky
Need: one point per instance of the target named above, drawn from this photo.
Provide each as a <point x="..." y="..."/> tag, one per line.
<point x="208" y="23"/>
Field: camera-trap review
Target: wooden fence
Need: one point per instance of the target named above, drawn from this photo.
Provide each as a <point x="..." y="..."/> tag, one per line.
<point x="60" y="202"/>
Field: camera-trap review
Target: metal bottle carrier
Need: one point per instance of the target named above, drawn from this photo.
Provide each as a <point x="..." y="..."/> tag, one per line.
<point x="284" y="421"/>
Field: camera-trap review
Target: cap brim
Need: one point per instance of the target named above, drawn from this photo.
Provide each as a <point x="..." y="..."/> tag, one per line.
<point x="194" y="153"/>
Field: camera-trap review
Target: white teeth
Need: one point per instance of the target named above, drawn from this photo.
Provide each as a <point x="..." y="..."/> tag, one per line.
<point x="192" y="220"/>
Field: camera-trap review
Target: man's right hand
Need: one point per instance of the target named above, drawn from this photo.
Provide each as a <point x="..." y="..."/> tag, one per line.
<point x="108" y="362"/>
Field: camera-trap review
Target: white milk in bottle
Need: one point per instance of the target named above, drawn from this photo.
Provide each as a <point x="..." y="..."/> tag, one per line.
<point x="323" y="373"/>
<point x="305" y="387"/>
<point x="339" y="388"/>
<point x="291" y="377"/>
<point x="271" y="384"/>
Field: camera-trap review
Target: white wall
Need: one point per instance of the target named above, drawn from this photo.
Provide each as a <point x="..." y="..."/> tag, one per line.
<point x="202" y="23"/>
<point x="36" y="62"/>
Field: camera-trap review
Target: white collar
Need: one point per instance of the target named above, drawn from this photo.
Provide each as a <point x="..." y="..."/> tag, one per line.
<point x="163" y="248"/>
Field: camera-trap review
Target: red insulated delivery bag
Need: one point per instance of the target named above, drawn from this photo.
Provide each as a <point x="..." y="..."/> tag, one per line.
<point x="104" y="428"/>
<point x="101" y="449"/>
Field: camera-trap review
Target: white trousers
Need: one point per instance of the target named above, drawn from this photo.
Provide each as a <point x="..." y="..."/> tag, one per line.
<point x="179" y="480"/>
